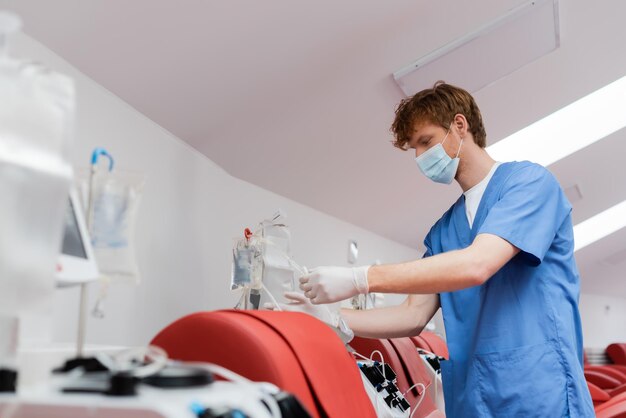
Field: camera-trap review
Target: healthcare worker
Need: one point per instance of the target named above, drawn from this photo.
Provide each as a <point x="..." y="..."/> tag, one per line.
<point x="499" y="262"/>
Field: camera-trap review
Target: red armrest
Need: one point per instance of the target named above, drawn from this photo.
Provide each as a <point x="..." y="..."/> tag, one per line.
<point x="601" y="380"/>
<point x="613" y="411"/>
<point x="618" y="367"/>
<point x="609" y="371"/>
<point x="618" y="390"/>
<point x="598" y="395"/>
<point x="613" y="408"/>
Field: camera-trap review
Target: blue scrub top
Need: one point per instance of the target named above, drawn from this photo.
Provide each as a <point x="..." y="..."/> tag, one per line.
<point x="515" y="342"/>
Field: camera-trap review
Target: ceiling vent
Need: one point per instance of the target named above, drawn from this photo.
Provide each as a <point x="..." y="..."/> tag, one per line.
<point x="483" y="56"/>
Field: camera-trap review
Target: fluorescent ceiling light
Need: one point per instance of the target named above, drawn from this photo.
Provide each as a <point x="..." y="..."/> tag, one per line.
<point x="600" y="225"/>
<point x="567" y="130"/>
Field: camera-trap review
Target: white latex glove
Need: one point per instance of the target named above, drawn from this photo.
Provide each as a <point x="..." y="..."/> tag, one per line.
<point x="332" y="284"/>
<point x="300" y="303"/>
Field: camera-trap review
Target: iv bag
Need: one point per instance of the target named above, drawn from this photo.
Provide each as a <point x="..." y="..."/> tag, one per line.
<point x="247" y="269"/>
<point x="112" y="199"/>
<point x="280" y="271"/>
<point x="262" y="261"/>
<point x="36" y="117"/>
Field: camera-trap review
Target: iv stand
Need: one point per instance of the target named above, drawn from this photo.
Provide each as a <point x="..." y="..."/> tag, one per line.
<point x="82" y="313"/>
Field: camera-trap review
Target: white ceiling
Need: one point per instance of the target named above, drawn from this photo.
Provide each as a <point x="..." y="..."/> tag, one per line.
<point x="297" y="97"/>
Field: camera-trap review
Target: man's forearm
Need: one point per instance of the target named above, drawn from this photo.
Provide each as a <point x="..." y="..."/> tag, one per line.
<point x="391" y="322"/>
<point x="445" y="272"/>
<point x="404" y="320"/>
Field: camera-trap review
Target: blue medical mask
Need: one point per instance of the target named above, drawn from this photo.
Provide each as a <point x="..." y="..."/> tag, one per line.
<point x="437" y="165"/>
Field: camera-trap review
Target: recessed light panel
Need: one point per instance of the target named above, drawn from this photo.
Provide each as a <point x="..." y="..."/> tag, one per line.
<point x="600" y="225"/>
<point x="567" y="130"/>
<point x="490" y="52"/>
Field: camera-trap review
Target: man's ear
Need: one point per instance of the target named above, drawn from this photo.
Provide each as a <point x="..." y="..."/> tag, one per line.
<point x="461" y="124"/>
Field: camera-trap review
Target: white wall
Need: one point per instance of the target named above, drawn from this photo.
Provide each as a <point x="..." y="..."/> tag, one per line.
<point x="190" y="213"/>
<point x="604" y="320"/>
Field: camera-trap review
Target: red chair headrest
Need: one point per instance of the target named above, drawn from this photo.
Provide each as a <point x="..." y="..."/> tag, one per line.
<point x="617" y="353"/>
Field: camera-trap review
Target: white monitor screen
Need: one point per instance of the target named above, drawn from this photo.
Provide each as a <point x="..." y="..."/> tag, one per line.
<point x="72" y="241"/>
<point x="76" y="263"/>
